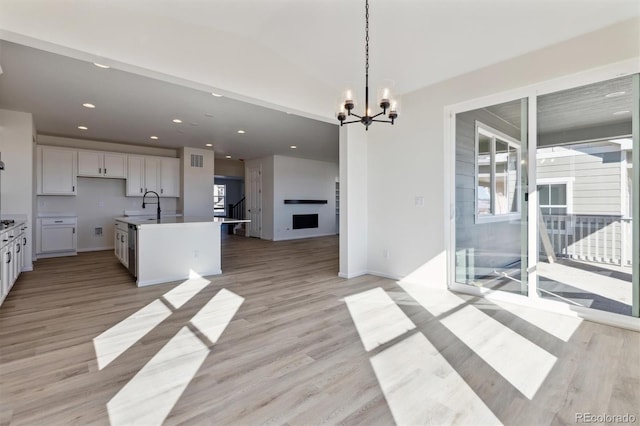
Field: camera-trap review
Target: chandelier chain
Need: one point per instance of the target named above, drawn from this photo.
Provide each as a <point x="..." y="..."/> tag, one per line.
<point x="367" y="36"/>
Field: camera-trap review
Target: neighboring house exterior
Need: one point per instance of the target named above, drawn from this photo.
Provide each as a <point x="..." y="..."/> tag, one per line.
<point x="584" y="193"/>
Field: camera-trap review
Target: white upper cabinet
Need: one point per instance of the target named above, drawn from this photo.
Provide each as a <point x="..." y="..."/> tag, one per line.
<point x="148" y="173"/>
<point x="101" y="164"/>
<point x="135" y="176"/>
<point x="169" y="177"/>
<point x="151" y="174"/>
<point x="56" y="171"/>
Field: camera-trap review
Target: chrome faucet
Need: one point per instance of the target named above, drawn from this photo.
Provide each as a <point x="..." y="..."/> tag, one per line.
<point x="157" y="202"/>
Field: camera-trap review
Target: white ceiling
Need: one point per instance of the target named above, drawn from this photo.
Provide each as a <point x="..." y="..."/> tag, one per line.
<point x="131" y="108"/>
<point x="291" y="55"/>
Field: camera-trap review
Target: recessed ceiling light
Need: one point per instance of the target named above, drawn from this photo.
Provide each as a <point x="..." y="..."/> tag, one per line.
<point x="88" y="105"/>
<point x="621" y="112"/>
<point x="614" y="94"/>
<point x="216" y="95"/>
<point x="101" y="65"/>
<point x="177" y="120"/>
<point x="241" y="131"/>
<point x="153" y="137"/>
<point x="293" y="147"/>
<point x="209" y="144"/>
<point x="227" y="156"/>
<point x="83" y="128"/>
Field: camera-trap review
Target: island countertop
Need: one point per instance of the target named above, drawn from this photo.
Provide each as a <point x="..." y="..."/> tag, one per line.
<point x="145" y="221"/>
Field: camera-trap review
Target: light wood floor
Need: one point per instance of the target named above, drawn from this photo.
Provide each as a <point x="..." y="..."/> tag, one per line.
<point x="292" y="353"/>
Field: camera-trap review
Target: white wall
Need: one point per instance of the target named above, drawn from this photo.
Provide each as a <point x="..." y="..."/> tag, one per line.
<point x="412" y="151"/>
<point x="16" y="149"/>
<point x="354" y="204"/>
<point x="105" y="146"/>
<point x="229" y="167"/>
<point x="197" y="183"/>
<point x="296" y="178"/>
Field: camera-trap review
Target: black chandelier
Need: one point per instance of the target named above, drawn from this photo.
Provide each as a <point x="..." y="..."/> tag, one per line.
<point x="385" y="103"/>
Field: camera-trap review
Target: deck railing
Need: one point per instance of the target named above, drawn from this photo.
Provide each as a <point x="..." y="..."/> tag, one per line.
<point x="593" y="238"/>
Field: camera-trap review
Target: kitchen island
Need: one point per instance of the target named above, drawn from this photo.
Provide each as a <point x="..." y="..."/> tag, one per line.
<point x="170" y="248"/>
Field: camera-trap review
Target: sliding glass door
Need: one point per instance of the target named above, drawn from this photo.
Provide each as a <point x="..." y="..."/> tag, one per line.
<point x="547" y="201"/>
<point x="584" y="169"/>
<point x="491" y="214"/>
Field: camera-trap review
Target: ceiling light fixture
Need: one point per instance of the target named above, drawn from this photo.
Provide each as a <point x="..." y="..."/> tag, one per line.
<point x="227" y="156"/>
<point x="101" y="65"/>
<point x="367" y="119"/>
<point x="177" y="120"/>
<point x="614" y="94"/>
<point x="83" y="128"/>
<point x="208" y="144"/>
<point x="88" y="105"/>
<point x="293" y="147"/>
<point x="241" y="131"/>
<point x="216" y="95"/>
<point x="621" y="112"/>
<point x="155" y="138"/>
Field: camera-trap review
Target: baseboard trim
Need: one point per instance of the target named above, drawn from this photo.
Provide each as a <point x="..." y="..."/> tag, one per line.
<point x="173" y="279"/>
<point x="351" y="275"/>
<point x="384" y="275"/>
<point x="306" y="236"/>
<point x="95" y="249"/>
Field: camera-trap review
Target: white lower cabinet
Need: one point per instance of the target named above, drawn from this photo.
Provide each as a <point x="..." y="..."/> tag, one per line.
<point x="57" y="236"/>
<point x="121" y="243"/>
<point x="11" y="256"/>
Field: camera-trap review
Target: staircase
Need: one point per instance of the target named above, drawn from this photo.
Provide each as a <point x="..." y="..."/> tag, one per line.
<point x="236" y="211"/>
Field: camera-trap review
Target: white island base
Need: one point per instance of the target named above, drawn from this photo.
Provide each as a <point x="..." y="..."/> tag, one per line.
<point x="175" y="251"/>
<point x="173" y="248"/>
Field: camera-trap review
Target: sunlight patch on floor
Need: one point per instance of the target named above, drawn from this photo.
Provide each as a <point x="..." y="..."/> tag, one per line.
<point x="558" y="325"/>
<point x="117" y="339"/>
<point x="150" y="395"/>
<point x="519" y="361"/>
<point x="589" y="282"/>
<point x="421" y="387"/>
<point x="214" y="317"/>
<point x="377" y="318"/>
<point x="182" y="293"/>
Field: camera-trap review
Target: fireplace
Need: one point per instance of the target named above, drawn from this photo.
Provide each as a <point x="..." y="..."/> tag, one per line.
<point x="304" y="221"/>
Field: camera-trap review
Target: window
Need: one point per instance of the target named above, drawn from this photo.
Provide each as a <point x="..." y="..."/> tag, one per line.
<point x="553" y="199"/>
<point x="497" y="175"/>
<point x="219" y="200"/>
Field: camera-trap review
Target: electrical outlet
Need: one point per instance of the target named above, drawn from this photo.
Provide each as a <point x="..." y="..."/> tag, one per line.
<point x="419" y="201"/>
<point x="97" y="231"/>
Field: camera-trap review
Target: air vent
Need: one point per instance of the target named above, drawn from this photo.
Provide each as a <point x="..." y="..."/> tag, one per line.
<point x="197" y="160"/>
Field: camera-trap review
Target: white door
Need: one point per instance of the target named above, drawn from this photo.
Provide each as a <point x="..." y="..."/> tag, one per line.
<point x="90" y="163"/>
<point x="254" y="202"/>
<point x="114" y="165"/>
<point x="135" y="176"/>
<point x="151" y="174"/>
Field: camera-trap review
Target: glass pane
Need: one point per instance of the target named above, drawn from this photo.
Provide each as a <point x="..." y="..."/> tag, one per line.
<point x="512" y="180"/>
<point x="484" y="175"/>
<point x="585" y="259"/>
<point x="502" y="171"/>
<point x="488" y="244"/>
<point x="558" y="194"/>
<point x="543" y="195"/>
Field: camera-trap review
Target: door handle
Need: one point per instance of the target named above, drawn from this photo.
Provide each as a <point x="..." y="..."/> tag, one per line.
<point x="18" y="248"/>
<point x="100" y="170"/>
<point x="25" y="241"/>
<point x="9" y="260"/>
<point x="105" y="170"/>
